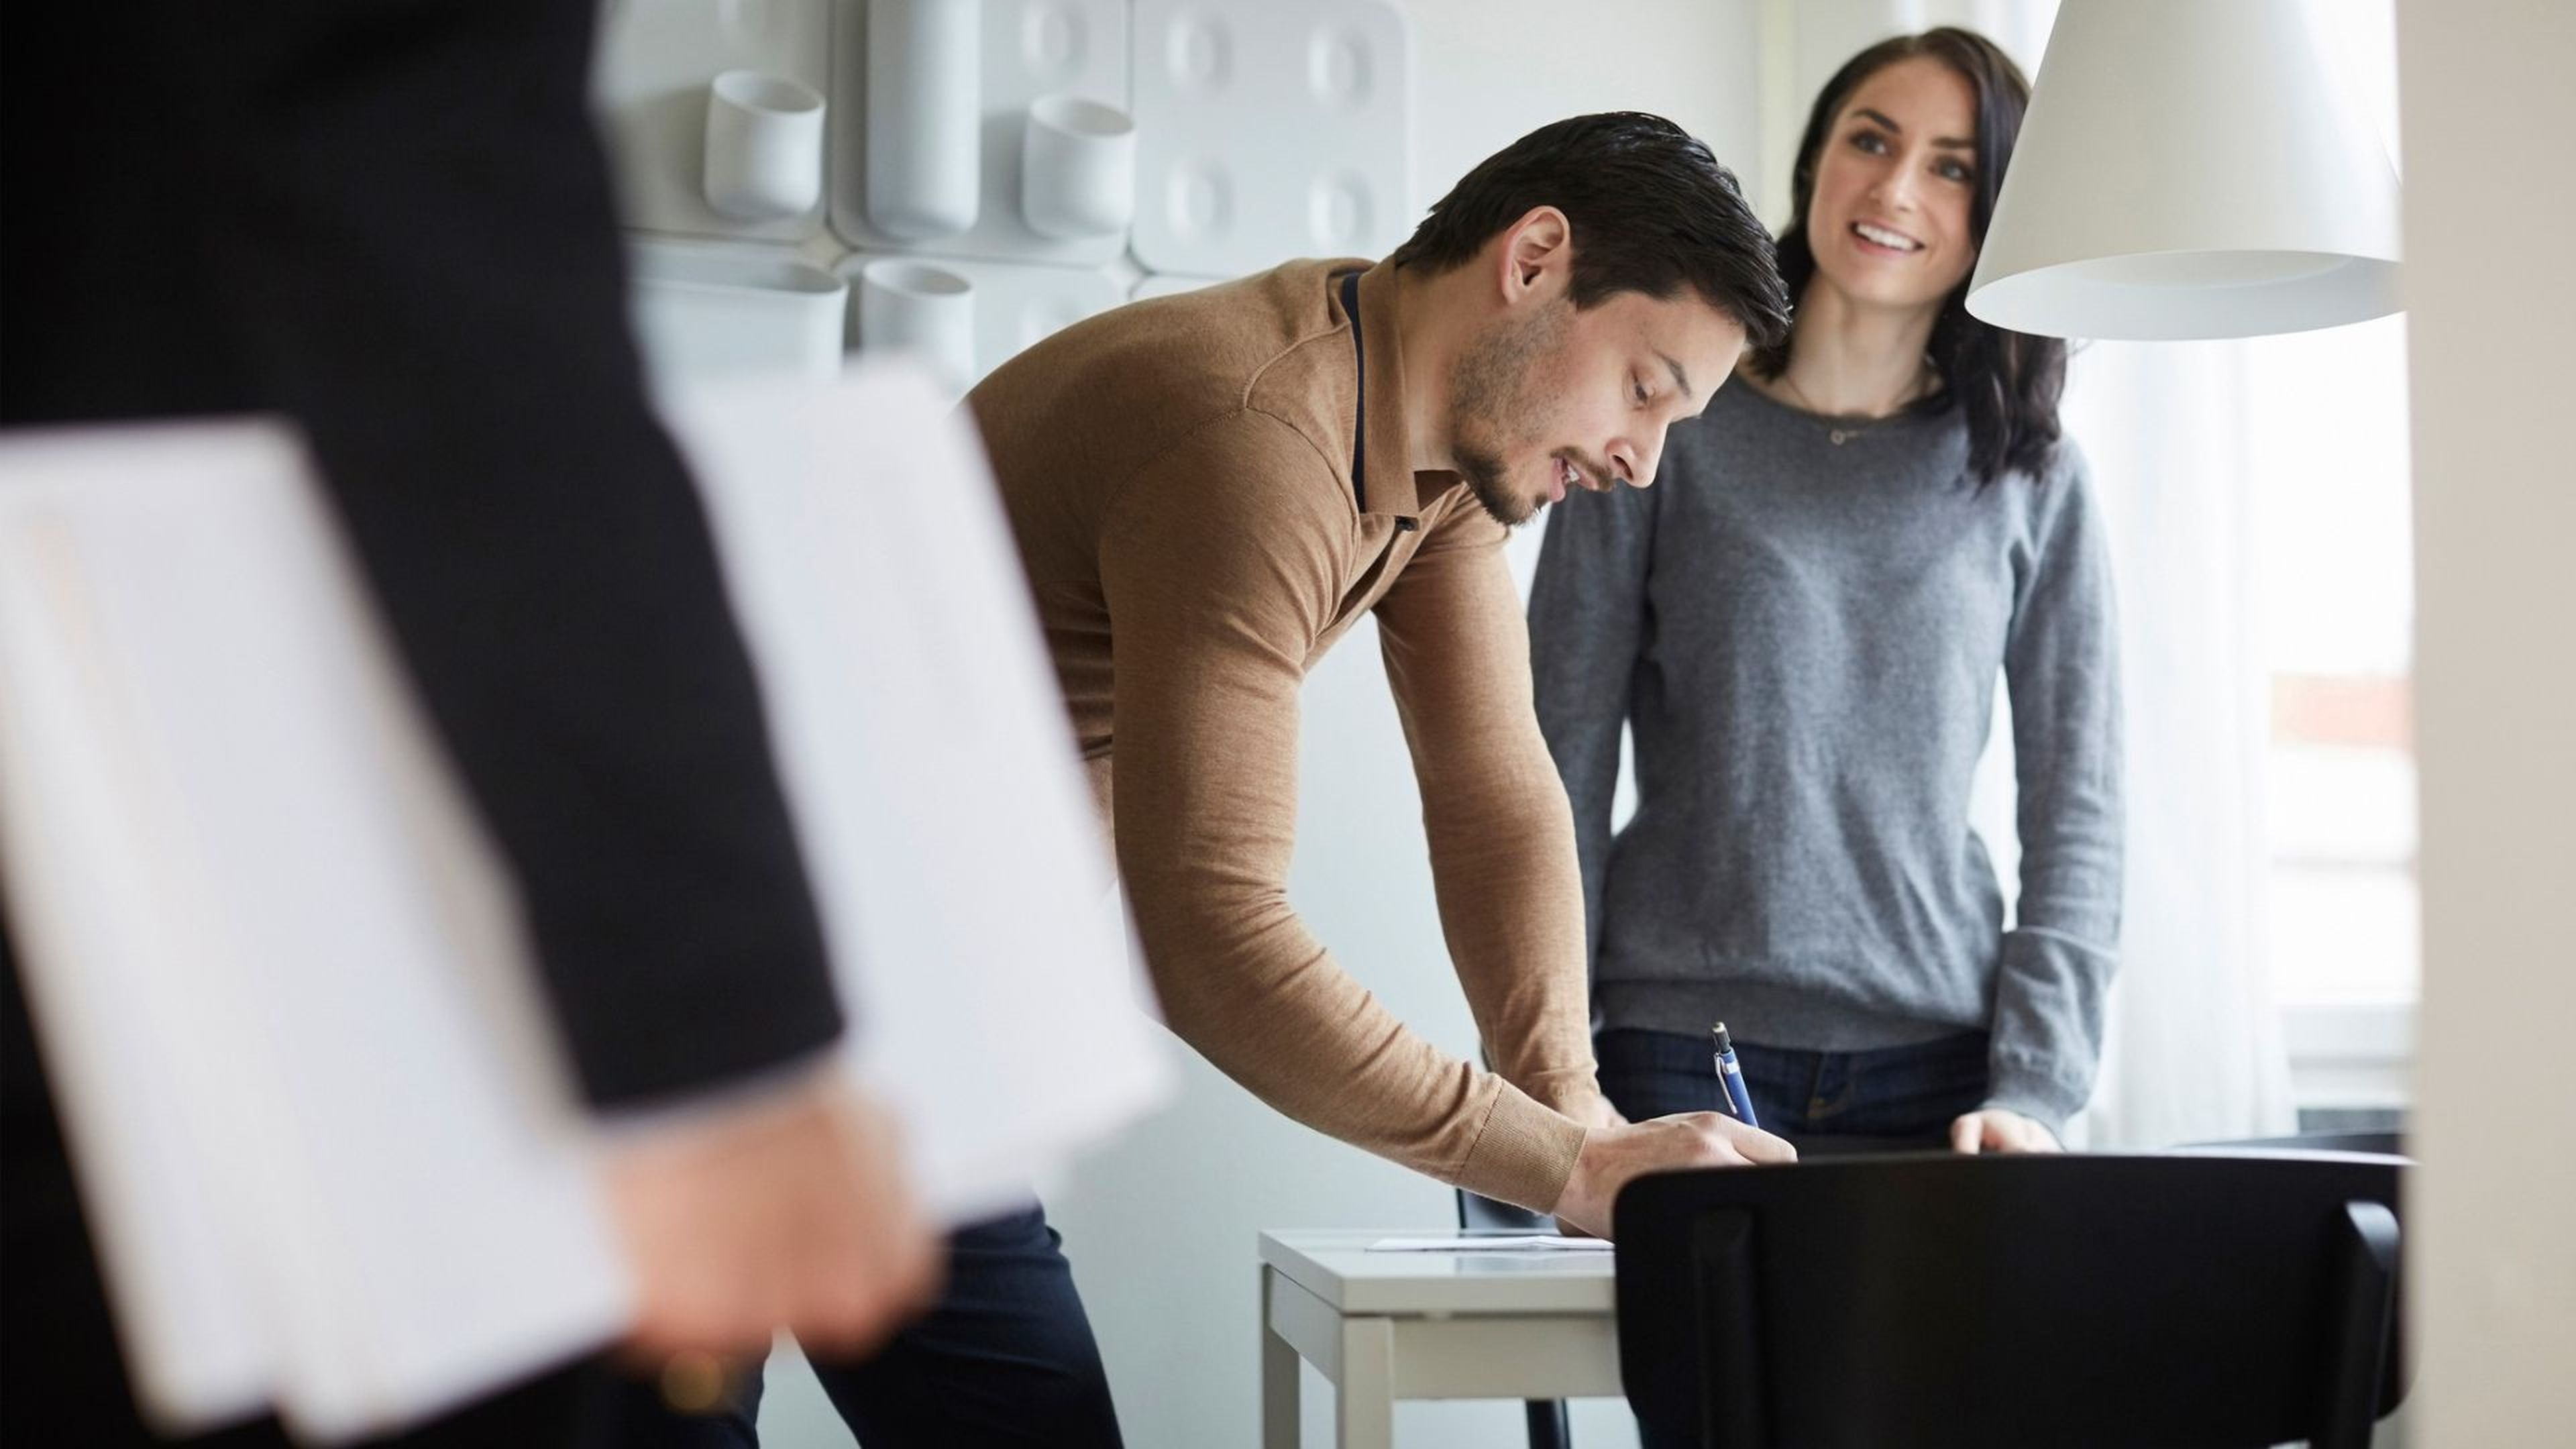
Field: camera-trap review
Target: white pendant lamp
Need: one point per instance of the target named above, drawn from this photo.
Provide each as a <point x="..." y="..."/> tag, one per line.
<point x="2189" y="168"/>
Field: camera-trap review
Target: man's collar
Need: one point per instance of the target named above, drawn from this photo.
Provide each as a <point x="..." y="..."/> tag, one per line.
<point x="1393" y="487"/>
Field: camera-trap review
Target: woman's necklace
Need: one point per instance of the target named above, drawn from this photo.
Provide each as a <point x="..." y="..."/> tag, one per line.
<point x="1843" y="430"/>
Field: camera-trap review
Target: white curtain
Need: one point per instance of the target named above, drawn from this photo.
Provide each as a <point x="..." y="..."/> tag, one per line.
<point x="2193" y="1046"/>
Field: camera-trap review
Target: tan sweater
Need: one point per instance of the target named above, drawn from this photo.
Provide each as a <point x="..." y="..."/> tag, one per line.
<point x="1178" y="473"/>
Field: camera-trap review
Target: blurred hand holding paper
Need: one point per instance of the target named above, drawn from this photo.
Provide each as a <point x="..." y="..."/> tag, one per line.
<point x="333" y="1159"/>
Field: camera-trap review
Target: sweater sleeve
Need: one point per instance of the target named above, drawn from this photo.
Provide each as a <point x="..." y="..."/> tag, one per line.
<point x="1216" y="573"/>
<point x="1502" y="846"/>
<point x="2061" y="664"/>
<point x="1587" y="616"/>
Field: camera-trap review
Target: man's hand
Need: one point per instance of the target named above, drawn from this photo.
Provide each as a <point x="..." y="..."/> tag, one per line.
<point x="1613" y="1155"/>
<point x="790" y="1212"/>
<point x="1996" y="1130"/>
<point x="1596" y="1112"/>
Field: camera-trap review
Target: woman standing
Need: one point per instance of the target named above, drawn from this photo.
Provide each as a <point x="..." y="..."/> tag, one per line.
<point x="1804" y="625"/>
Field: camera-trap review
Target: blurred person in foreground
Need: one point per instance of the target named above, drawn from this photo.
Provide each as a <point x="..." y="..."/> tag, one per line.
<point x="388" y="221"/>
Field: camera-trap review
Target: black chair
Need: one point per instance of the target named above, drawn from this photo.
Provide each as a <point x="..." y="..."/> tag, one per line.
<point x="1932" y="1300"/>
<point x="1550" y="1427"/>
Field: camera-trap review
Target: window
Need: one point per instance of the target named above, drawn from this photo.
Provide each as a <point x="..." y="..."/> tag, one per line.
<point x="2334" y="542"/>
<point x="2328" y="447"/>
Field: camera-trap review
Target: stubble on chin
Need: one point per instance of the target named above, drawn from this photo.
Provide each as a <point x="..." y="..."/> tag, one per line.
<point x="1489" y="390"/>
<point x="1487" y="480"/>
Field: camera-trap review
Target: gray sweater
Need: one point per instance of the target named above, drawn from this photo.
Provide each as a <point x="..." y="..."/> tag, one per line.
<point x="1805" y="638"/>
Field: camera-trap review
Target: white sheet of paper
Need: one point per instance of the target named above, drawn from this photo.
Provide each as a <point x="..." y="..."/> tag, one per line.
<point x="313" y="1096"/>
<point x="1501" y="1243"/>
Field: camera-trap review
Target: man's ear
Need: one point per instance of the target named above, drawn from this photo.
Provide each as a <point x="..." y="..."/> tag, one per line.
<point x="1536" y="258"/>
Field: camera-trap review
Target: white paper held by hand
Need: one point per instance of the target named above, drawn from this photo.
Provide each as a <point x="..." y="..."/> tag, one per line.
<point x="314" y="1100"/>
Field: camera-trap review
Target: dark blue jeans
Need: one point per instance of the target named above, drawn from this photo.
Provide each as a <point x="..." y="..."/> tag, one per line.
<point x="1006" y="1358"/>
<point x="1891" y="1099"/>
<point x="1825" y="1103"/>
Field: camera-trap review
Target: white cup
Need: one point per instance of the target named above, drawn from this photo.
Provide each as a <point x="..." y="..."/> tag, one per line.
<point x="764" y="146"/>
<point x="925" y="116"/>
<point x="702" y="313"/>
<point x="1077" y="168"/>
<point x="914" y="307"/>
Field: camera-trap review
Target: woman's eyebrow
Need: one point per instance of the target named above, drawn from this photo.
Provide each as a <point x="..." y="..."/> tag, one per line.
<point x="1882" y="118"/>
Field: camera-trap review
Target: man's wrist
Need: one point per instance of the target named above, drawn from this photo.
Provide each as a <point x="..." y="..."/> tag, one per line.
<point x="719" y="1104"/>
<point x="1567" y="1089"/>
<point x="1523" y="1153"/>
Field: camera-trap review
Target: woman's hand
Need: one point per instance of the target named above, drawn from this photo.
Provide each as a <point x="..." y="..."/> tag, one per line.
<point x="1996" y="1130"/>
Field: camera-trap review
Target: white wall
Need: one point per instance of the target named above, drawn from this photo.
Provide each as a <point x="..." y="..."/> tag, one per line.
<point x="1161" y="1227"/>
<point x="2491" y="1251"/>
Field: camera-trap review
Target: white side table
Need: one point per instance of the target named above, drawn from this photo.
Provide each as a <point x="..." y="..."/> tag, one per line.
<point x="1463" y="1325"/>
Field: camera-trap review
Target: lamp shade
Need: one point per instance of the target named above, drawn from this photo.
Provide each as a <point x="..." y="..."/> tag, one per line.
<point x="2189" y="168"/>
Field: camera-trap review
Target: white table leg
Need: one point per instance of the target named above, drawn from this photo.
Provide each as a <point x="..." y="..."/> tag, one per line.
<point x="1279" y="1380"/>
<point x="1364" y="1399"/>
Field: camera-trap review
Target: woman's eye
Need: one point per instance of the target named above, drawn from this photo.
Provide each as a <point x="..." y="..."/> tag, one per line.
<point x="1638" y="390"/>
<point x="1869" y="141"/>
<point x="1954" y="171"/>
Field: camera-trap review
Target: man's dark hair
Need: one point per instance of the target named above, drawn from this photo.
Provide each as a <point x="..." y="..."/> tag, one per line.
<point x="1652" y="212"/>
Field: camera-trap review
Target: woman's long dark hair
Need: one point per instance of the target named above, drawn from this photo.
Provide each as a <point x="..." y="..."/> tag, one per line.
<point x="2008" y="382"/>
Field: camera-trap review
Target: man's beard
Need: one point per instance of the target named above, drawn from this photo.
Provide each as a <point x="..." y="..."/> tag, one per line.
<point x="1489" y="395"/>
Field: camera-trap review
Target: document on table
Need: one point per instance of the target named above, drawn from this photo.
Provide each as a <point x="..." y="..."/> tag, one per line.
<point x="1497" y="1243"/>
<point x="286" y="998"/>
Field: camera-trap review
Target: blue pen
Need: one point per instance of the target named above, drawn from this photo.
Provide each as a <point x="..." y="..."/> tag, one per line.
<point x="1731" y="1077"/>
